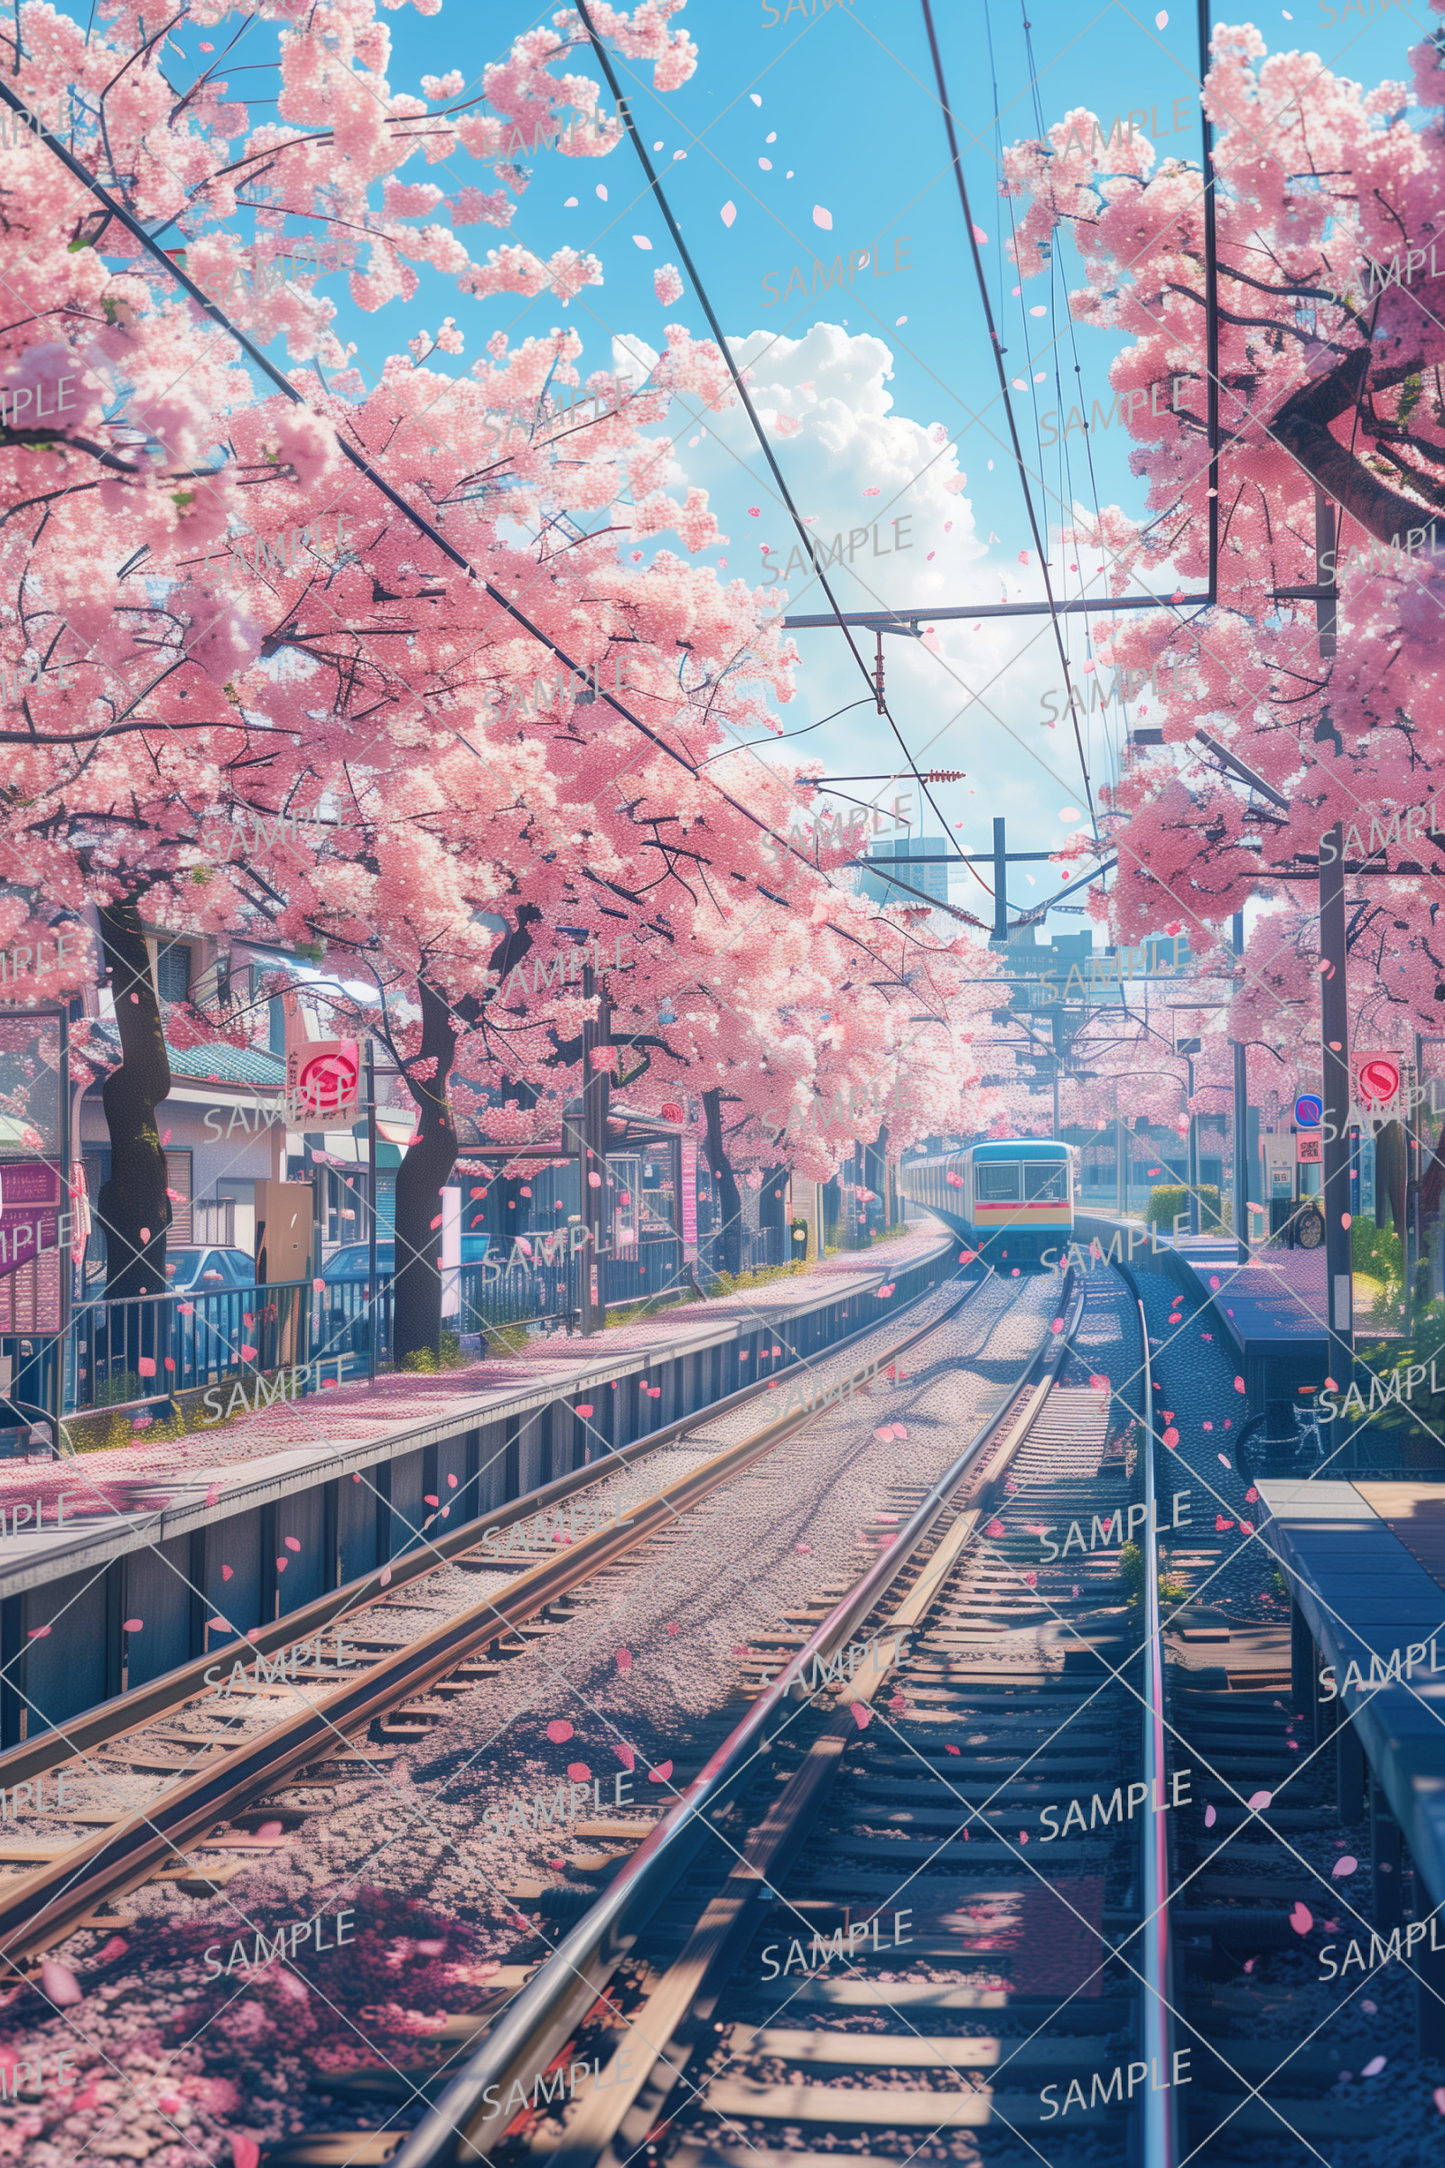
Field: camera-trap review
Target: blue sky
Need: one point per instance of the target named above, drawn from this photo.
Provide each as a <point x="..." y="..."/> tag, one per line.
<point x="812" y="139"/>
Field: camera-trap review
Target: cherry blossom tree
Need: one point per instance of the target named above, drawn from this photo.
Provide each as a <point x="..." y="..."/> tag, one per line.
<point x="1329" y="199"/>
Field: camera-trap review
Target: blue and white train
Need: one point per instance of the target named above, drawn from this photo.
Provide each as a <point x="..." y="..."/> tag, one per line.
<point x="1011" y="1199"/>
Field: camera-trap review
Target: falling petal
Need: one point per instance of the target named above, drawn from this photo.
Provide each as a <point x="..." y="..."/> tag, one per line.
<point x="862" y="1715"/>
<point x="660" y="1774"/>
<point x="132" y="1625"/>
<point x="58" y="1982"/>
<point x="822" y="218"/>
<point x="559" y="1730"/>
<point x="1373" y="2067"/>
<point x="1210" y="1817"/>
<point x="1258" y="1801"/>
<point x="1345" y="1864"/>
<point x="1161" y="20"/>
<point x="1225" y="1458"/>
<point x="640" y="240"/>
<point x="293" y="1543"/>
<point x="728" y="213"/>
<point x="952" y="1750"/>
<point x="980" y="235"/>
<point x="579" y="1772"/>
<point x="385" y="1576"/>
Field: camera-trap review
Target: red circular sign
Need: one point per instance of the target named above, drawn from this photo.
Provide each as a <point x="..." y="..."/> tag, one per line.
<point x="1378" y="1080"/>
<point x="328" y="1080"/>
<point x="671" y="1111"/>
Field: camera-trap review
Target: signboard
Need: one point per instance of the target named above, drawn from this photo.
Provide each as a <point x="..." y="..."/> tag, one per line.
<point x="689" y="1198"/>
<point x="1309" y="1110"/>
<point x="30" y="1199"/>
<point x="1309" y="1149"/>
<point x="1376" y="1079"/>
<point x="323" y="1077"/>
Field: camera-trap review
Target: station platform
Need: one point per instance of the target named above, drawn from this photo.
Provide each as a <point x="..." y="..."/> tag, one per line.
<point x="1365" y="1563"/>
<point x="1271" y="1311"/>
<point x="263" y="1514"/>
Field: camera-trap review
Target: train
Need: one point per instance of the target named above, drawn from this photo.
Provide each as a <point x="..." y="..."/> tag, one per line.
<point x="1011" y="1198"/>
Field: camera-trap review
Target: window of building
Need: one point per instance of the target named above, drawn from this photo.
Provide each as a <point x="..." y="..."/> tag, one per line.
<point x="173" y="971"/>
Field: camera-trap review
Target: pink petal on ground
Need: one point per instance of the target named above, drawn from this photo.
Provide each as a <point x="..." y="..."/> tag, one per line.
<point x="624" y="1659"/>
<point x="559" y="1730"/>
<point x="626" y="1756"/>
<point x="899" y="1430"/>
<point x="1210" y="1817"/>
<point x="579" y="1772"/>
<point x="58" y="1983"/>
<point x="114" y="1948"/>
<point x="1258" y="1801"/>
<point x="885" y="1435"/>
<point x="897" y="1704"/>
<point x="245" y="2153"/>
<point x="995" y="1528"/>
<point x="1301" y="1919"/>
<point x="805" y="1548"/>
<point x="728" y="213"/>
<point x="1345" y="1864"/>
<point x="862" y="1715"/>
<point x="660" y="1774"/>
<point x="672" y="1627"/>
<point x="132" y="1625"/>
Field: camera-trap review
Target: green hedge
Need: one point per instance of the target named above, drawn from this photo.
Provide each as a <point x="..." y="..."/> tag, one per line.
<point x="1377" y="1251"/>
<point x="1172" y="1198"/>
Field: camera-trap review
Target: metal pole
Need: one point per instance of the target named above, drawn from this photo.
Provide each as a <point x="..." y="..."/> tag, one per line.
<point x="65" y="1259"/>
<point x="1193" y="1156"/>
<point x="592" y="1157"/>
<point x="1335" y="1051"/>
<point x="1000" y="884"/>
<point x="372" y="1286"/>
<point x="1241" y="1126"/>
<point x="1160" y="2129"/>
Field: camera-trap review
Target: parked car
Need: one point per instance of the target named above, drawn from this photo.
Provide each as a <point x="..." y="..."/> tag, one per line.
<point x="201" y="1270"/>
<point x="347" y="1302"/>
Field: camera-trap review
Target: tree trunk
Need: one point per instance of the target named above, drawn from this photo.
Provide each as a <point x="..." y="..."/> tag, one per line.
<point x="133" y="1207"/>
<point x="420" y="1179"/>
<point x="1390" y="1175"/>
<point x="729" y="1200"/>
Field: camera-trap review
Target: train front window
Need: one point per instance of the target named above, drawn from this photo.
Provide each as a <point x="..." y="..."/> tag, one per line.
<point x="997" y="1182"/>
<point x="1045" y="1182"/>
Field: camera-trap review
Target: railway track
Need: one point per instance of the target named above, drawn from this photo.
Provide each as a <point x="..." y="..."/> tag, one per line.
<point x="197" y="1750"/>
<point x="922" y="1899"/>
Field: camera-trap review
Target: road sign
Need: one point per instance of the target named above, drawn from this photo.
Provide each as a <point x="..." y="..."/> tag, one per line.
<point x="1376" y="1080"/>
<point x="1309" y="1149"/>
<point x="1309" y="1110"/>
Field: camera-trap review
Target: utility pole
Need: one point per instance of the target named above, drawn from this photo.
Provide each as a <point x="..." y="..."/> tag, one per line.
<point x="1334" y="1028"/>
<point x="1000" y="884"/>
<point x="592" y="1156"/>
<point x="1193" y="1152"/>
<point x="1241" y="1126"/>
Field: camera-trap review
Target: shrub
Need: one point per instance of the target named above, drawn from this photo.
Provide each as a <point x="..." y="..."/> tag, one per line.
<point x="1169" y="1199"/>
<point x="1377" y="1251"/>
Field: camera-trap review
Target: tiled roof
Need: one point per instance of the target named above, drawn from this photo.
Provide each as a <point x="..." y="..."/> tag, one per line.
<point x="219" y="1063"/>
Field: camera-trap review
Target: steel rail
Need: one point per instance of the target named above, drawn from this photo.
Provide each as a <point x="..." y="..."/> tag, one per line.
<point x="1161" y="2123"/>
<point x="170" y="1690"/>
<point x="548" y="2011"/>
<point x="40" y="1909"/>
